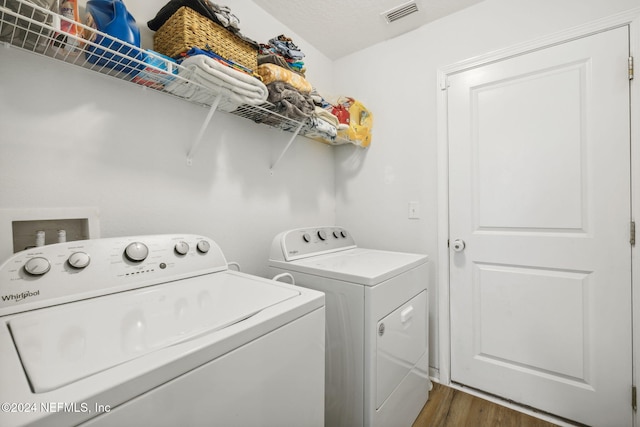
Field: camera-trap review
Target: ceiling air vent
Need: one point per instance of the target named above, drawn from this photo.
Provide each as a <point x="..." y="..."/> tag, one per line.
<point x="400" y="12"/>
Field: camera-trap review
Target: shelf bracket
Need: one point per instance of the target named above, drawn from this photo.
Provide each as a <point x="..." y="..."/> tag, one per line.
<point x="204" y="126"/>
<point x="297" y="131"/>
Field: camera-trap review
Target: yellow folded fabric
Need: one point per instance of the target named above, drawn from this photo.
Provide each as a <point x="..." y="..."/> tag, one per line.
<point x="272" y="72"/>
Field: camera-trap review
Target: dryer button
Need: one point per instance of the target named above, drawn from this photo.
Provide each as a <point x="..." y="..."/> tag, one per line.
<point x="203" y="246"/>
<point x="181" y="248"/>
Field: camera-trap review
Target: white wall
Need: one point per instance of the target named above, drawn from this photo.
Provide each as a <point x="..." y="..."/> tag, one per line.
<point x="397" y="81"/>
<point x="69" y="137"/>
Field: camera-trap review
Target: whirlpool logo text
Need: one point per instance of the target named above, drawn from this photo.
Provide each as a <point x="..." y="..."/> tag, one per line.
<point x="21" y="296"/>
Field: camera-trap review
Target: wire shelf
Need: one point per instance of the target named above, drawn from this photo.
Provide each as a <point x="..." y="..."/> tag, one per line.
<point x="266" y="114"/>
<point x="29" y="26"/>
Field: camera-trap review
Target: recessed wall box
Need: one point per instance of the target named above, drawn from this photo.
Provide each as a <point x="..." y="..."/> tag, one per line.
<point x="19" y="227"/>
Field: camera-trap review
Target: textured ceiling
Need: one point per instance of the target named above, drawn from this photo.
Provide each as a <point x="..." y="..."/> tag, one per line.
<point x="340" y="27"/>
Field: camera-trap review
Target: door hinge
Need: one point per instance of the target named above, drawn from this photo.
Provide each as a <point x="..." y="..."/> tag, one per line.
<point x="632" y="233"/>
<point x="631" y="68"/>
<point x="634" y="395"/>
<point x="444" y="83"/>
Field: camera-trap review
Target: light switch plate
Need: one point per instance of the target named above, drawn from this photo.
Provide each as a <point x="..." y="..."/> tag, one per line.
<point x="414" y="210"/>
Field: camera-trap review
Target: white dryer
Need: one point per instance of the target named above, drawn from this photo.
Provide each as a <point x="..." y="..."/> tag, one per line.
<point x="155" y="331"/>
<point x="377" y="324"/>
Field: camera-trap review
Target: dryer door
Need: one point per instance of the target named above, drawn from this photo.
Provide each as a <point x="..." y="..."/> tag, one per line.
<point x="401" y="342"/>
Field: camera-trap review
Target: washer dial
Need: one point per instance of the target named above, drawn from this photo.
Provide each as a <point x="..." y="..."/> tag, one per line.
<point x="37" y="266"/>
<point x="79" y="260"/>
<point x="136" y="252"/>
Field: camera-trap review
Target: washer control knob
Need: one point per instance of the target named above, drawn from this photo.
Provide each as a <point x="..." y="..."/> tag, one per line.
<point x="343" y="234"/>
<point x="203" y="246"/>
<point x="79" y="260"/>
<point x="306" y="237"/>
<point x="181" y="248"/>
<point x="322" y="234"/>
<point x="37" y="266"/>
<point x="336" y="234"/>
<point x="136" y="252"/>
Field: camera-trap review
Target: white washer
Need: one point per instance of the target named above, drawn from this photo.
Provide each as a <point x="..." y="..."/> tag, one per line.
<point x="377" y="324"/>
<point x="155" y="330"/>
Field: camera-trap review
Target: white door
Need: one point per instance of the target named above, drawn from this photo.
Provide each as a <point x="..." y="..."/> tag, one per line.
<point x="539" y="190"/>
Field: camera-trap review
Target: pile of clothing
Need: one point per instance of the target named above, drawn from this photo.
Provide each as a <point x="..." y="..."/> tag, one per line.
<point x="348" y="121"/>
<point x="283" y="52"/>
<point x="282" y="71"/>
<point x="219" y="14"/>
<point x="323" y="125"/>
<point x="356" y="121"/>
<point x="204" y="76"/>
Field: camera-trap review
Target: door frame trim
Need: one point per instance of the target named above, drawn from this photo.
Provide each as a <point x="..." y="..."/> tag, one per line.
<point x="629" y="18"/>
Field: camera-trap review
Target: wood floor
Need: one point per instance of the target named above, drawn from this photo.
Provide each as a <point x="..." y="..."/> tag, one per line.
<point x="448" y="407"/>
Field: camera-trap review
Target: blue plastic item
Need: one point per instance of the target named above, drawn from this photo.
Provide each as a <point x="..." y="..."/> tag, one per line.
<point x="111" y="17"/>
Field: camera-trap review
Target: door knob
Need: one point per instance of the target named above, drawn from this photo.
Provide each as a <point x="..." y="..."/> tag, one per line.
<point x="458" y="245"/>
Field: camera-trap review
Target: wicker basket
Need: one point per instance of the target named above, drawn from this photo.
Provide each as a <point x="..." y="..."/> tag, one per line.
<point x="187" y="28"/>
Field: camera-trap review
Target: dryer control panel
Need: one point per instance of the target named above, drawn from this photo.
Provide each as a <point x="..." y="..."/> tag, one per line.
<point x="304" y="242"/>
<point x="63" y="272"/>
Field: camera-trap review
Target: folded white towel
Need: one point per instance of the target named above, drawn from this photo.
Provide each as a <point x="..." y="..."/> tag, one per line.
<point x="206" y="78"/>
<point x="326" y="115"/>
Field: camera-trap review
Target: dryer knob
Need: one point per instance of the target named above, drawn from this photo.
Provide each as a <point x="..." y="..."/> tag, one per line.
<point x="322" y="235"/>
<point x="336" y="234"/>
<point x="203" y="246"/>
<point x="79" y="260"/>
<point x="136" y="252"/>
<point x="37" y="266"/>
<point x="306" y="237"/>
<point x="181" y="248"/>
<point x="343" y="234"/>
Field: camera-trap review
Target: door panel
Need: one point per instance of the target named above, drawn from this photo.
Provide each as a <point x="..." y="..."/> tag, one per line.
<point x="511" y="146"/>
<point x="539" y="190"/>
<point x="557" y="346"/>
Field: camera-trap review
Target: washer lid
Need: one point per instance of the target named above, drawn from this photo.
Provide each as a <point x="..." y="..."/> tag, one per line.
<point x="362" y="266"/>
<point x="66" y="343"/>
